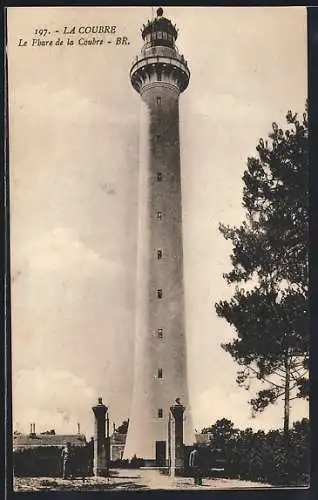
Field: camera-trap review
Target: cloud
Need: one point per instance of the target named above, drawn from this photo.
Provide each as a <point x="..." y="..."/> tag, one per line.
<point x="60" y="249"/>
<point x="230" y="401"/>
<point x="61" y="253"/>
<point x="67" y="295"/>
<point x="227" y="107"/>
<point x="66" y="105"/>
<point x="51" y="399"/>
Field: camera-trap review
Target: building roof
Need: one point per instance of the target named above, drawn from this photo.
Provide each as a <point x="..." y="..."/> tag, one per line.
<point x="24" y="441"/>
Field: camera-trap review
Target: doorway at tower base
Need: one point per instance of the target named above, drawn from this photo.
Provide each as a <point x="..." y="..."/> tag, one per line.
<point x="164" y="461"/>
<point x="160" y="457"/>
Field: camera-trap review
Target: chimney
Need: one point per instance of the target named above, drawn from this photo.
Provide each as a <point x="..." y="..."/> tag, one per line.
<point x="78" y="428"/>
<point x="114" y="427"/>
<point x="32" y="429"/>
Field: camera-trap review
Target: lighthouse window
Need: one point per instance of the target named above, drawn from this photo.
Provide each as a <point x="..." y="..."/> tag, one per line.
<point x="160" y="333"/>
<point x="160" y="373"/>
<point x="158" y="137"/>
<point x="159" y="215"/>
<point x="159" y="176"/>
<point x="164" y="36"/>
<point x="170" y="38"/>
<point x="158" y="101"/>
<point x="159" y="34"/>
<point x="159" y="293"/>
<point x="160" y="413"/>
<point x="159" y="254"/>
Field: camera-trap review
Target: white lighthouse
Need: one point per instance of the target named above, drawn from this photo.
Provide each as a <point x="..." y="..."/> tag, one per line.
<point x="159" y="74"/>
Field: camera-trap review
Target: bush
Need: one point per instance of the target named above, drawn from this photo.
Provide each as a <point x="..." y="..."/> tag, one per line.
<point x="136" y="463"/>
<point x="265" y="457"/>
<point x="47" y="461"/>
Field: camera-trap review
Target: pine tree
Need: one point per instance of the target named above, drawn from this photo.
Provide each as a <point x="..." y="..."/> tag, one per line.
<point x="269" y="309"/>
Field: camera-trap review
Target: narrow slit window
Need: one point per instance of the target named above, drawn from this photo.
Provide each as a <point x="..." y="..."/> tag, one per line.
<point x="159" y="372"/>
<point x="160" y="413"/>
<point x="158" y="137"/>
<point x="159" y="177"/>
<point x="159" y="293"/>
<point x="160" y="333"/>
<point x="159" y="215"/>
<point x="159" y="254"/>
<point x="158" y="100"/>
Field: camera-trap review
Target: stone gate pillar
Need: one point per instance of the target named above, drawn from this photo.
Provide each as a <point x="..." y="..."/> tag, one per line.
<point x="100" y="441"/>
<point x="177" y="411"/>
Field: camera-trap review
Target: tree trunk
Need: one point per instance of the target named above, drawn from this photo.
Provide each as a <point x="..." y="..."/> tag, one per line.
<point x="286" y="396"/>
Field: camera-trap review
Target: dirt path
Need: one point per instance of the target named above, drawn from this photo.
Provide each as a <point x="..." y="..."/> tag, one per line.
<point x="121" y="479"/>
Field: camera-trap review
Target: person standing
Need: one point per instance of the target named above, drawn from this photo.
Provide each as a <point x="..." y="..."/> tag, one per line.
<point x="67" y="460"/>
<point x="194" y="464"/>
<point x="90" y="449"/>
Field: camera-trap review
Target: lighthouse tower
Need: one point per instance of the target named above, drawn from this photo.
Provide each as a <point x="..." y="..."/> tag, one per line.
<point x="159" y="74"/>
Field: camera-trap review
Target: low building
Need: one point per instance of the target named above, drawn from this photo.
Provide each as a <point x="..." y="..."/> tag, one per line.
<point x="26" y="441"/>
<point x="117" y="446"/>
<point x="40" y="454"/>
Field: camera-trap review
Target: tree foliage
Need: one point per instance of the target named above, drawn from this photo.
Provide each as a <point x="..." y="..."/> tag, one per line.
<point x="269" y="309"/>
<point x="222" y="430"/>
<point x="262" y="456"/>
<point x="123" y="428"/>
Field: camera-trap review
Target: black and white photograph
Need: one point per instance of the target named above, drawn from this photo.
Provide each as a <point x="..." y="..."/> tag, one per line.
<point x="159" y="206"/>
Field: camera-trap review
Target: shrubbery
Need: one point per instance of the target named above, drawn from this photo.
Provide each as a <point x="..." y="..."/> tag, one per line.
<point x="38" y="461"/>
<point x="47" y="461"/>
<point x="134" y="463"/>
<point x="264" y="456"/>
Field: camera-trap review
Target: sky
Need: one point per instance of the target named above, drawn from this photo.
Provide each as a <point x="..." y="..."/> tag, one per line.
<point x="73" y="118"/>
